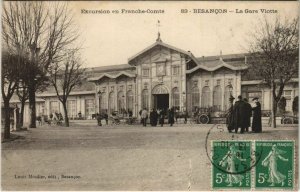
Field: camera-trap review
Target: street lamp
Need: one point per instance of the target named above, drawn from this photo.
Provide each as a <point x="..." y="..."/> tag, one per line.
<point x="99" y="99"/>
<point x="183" y="100"/>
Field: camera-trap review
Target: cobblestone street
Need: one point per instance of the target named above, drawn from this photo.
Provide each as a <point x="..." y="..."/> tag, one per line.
<point x="118" y="158"/>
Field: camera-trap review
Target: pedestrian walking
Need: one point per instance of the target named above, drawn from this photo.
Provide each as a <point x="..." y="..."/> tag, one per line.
<point x="171" y="116"/>
<point x="144" y="116"/>
<point x="248" y="114"/>
<point x="256" y="121"/>
<point x="239" y="111"/>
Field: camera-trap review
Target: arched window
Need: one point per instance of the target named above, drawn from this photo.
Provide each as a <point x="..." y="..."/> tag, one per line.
<point x="175" y="98"/>
<point x="130" y="100"/>
<point x="102" y="103"/>
<point x="227" y="93"/>
<point x="217" y="98"/>
<point x="121" y="102"/>
<point x="195" y="98"/>
<point x="206" y="97"/>
<point x="145" y="99"/>
<point x="111" y="102"/>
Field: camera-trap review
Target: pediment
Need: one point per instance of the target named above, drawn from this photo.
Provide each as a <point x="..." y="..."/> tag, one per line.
<point x="156" y="53"/>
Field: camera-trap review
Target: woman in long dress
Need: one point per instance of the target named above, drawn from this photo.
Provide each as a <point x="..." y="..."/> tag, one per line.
<point x="229" y="161"/>
<point x="275" y="177"/>
<point x="256" y="121"/>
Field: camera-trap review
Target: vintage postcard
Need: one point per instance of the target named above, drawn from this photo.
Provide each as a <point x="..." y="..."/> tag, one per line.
<point x="149" y="95"/>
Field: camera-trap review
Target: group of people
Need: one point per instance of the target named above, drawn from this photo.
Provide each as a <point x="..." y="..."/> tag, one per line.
<point x="158" y="116"/>
<point x="239" y="116"/>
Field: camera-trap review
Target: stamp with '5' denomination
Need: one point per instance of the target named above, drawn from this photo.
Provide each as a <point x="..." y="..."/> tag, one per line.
<point x="275" y="168"/>
<point x="231" y="162"/>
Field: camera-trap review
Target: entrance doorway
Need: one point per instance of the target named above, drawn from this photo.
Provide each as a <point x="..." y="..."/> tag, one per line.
<point x="161" y="101"/>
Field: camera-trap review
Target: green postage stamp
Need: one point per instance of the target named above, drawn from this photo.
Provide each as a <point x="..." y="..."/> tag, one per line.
<point x="275" y="169"/>
<point x="231" y="164"/>
<point x="269" y="163"/>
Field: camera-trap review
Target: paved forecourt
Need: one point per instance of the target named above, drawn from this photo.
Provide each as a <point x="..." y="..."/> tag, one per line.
<point x="87" y="157"/>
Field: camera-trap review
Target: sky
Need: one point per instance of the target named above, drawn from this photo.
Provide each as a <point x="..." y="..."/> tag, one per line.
<point x="110" y="39"/>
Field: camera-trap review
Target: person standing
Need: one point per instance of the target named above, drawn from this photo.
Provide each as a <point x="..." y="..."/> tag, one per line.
<point x="185" y="115"/>
<point x="248" y="114"/>
<point x="161" y="116"/>
<point x="144" y="117"/>
<point x="98" y="117"/>
<point x="171" y="116"/>
<point x="176" y="115"/>
<point x="256" y="121"/>
<point x="230" y="115"/>
<point x="152" y="117"/>
<point x="239" y="111"/>
<point x="155" y="117"/>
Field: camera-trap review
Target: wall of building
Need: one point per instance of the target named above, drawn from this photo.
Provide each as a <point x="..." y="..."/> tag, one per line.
<point x="203" y="79"/>
<point x="79" y="105"/>
<point x="167" y="68"/>
<point x="116" y="87"/>
<point x="291" y="90"/>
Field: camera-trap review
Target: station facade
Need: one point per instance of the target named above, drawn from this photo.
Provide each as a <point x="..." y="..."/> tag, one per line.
<point x="163" y="76"/>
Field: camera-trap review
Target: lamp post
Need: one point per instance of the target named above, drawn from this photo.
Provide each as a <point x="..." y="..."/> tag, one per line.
<point x="183" y="101"/>
<point x="123" y="105"/>
<point x="99" y="99"/>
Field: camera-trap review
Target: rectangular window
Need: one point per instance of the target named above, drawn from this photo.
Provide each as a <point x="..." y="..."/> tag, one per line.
<point x="71" y="105"/>
<point x="146" y="72"/>
<point x="89" y="108"/>
<point x="175" y="70"/>
<point x="54" y="107"/>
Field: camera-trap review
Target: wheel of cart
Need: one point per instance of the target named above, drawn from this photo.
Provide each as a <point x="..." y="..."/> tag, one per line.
<point x="204" y="119"/>
<point x="204" y="115"/>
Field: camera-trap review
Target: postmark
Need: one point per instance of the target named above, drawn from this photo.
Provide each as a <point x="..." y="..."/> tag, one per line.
<point x="232" y="163"/>
<point x="275" y="169"/>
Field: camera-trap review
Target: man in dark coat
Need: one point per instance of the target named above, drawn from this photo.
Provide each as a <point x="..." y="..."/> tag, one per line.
<point x="171" y="115"/>
<point x="230" y="115"/>
<point x="155" y="117"/>
<point x="239" y="111"/>
<point x="99" y="118"/>
<point x="248" y="114"/>
<point x="152" y="117"/>
<point x="256" y="121"/>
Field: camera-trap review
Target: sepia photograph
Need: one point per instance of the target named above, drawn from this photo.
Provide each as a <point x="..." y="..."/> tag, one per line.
<point x="149" y="95"/>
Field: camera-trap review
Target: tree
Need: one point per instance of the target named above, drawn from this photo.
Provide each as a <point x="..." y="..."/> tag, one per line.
<point x="23" y="95"/>
<point x="9" y="80"/>
<point x="41" y="30"/>
<point x="65" y="76"/>
<point x="274" y="52"/>
<point x="295" y="105"/>
<point x="282" y="105"/>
